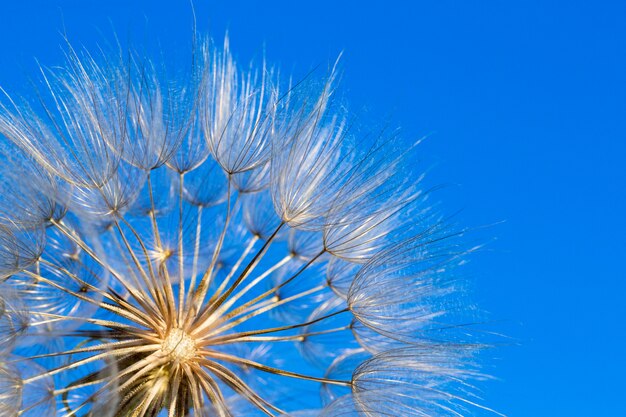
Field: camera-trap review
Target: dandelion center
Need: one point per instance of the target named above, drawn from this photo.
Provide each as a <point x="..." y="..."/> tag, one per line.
<point x="179" y="345"/>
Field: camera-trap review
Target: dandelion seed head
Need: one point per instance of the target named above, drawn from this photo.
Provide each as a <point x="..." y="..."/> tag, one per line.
<point x="218" y="243"/>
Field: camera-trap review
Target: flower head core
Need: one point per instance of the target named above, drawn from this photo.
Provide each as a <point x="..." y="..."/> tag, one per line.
<point x="179" y="346"/>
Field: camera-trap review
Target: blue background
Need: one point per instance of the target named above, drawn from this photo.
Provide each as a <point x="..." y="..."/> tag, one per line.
<point x="524" y="103"/>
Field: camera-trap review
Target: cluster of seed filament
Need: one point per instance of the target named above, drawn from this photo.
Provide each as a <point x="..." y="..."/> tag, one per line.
<point x="165" y="342"/>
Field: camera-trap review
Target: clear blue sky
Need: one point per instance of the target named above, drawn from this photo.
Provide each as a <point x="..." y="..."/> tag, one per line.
<point x="525" y="106"/>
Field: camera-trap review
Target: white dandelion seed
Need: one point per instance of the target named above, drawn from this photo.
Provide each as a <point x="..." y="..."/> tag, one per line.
<point x="216" y="244"/>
